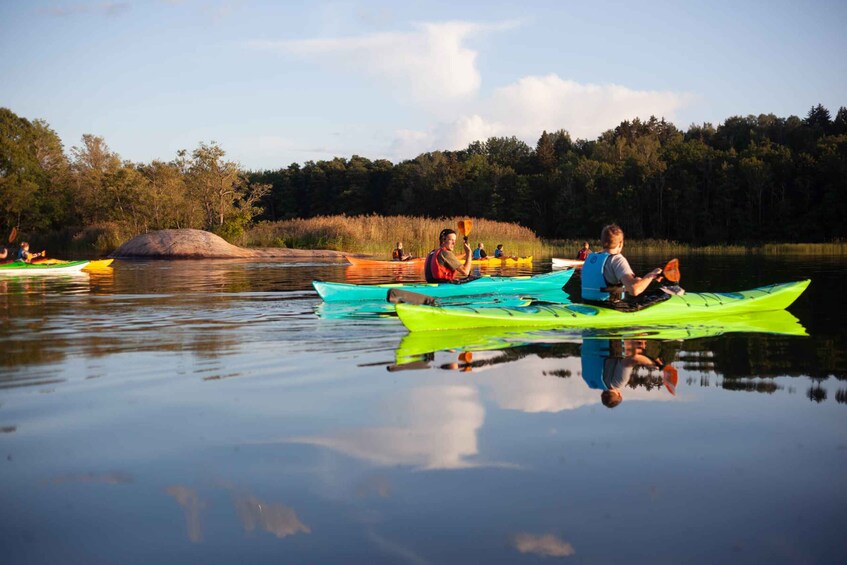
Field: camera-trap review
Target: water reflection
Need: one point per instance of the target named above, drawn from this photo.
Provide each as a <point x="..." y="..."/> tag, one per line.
<point x="253" y="513"/>
<point x="546" y="545"/>
<point x="436" y="428"/>
<point x="608" y="365"/>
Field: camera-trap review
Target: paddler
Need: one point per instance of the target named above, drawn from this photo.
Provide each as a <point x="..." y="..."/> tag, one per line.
<point x="608" y="365"/>
<point x="25" y="255"/>
<point x="479" y="252"/>
<point x="442" y="265"/>
<point x="607" y="276"/>
<point x="398" y="254"/>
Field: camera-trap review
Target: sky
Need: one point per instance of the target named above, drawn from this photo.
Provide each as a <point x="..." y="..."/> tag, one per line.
<point x="274" y="83"/>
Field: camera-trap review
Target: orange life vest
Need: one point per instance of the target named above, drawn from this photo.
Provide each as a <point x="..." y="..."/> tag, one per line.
<point x="436" y="272"/>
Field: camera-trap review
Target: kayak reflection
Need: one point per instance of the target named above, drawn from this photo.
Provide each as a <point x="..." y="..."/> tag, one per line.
<point x="420" y="346"/>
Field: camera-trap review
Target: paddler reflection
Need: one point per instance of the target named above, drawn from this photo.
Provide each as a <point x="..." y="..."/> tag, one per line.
<point x="609" y="365"/>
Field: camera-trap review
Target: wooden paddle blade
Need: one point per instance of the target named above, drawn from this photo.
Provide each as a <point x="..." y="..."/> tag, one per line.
<point x="13" y="235"/>
<point x="670" y="378"/>
<point x="671" y="271"/>
<point x="465" y="227"/>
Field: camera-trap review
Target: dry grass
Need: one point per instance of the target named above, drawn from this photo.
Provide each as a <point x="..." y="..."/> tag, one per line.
<point x="377" y="235"/>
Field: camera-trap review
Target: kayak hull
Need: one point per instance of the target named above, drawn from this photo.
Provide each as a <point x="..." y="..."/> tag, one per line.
<point x="344" y="292"/>
<point x="415" y="344"/>
<point x="21" y="268"/>
<point x="566" y="263"/>
<point x="690" y="306"/>
<point x="416" y="263"/>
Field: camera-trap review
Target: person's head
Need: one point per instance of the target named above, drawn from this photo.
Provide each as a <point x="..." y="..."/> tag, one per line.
<point x="399" y="245"/>
<point x="500" y="246"/>
<point x="480" y="245"/>
<point x="611" y="398"/>
<point x="585" y="245"/>
<point x="447" y="238"/>
<point x="24" y="245"/>
<point x="611" y="238"/>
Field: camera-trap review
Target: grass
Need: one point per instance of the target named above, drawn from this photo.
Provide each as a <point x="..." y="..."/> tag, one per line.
<point x="377" y="235"/>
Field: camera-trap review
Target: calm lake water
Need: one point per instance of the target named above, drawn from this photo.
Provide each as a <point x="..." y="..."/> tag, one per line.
<point x="214" y="412"/>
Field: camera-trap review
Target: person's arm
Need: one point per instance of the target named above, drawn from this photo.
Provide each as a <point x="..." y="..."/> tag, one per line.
<point x="636" y="285"/>
<point x="465" y="269"/>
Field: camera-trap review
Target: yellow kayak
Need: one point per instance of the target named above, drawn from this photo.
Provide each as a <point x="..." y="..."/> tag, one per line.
<point x="509" y="261"/>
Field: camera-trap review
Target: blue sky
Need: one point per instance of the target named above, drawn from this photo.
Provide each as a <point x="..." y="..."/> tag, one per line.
<point x="281" y="82"/>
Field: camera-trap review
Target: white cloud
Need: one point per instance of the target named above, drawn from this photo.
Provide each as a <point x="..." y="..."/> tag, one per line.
<point x="537" y="103"/>
<point x="431" y="66"/>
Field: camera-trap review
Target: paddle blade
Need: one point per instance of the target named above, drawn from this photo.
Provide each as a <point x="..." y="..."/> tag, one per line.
<point x="13" y="235"/>
<point x="671" y="271"/>
<point x="670" y="378"/>
<point x="466" y="357"/>
<point x="465" y="227"/>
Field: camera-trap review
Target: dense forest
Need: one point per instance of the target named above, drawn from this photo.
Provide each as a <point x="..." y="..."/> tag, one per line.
<point x="750" y="179"/>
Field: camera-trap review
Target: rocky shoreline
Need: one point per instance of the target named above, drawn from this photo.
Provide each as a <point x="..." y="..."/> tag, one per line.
<point x="199" y="244"/>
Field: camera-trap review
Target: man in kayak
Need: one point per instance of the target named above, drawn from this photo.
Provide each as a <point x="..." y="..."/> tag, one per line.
<point x="607" y="276"/>
<point x="398" y="254"/>
<point x="479" y="252"/>
<point x="583" y="253"/>
<point x="499" y="253"/>
<point x="442" y="265"/>
<point x="24" y="254"/>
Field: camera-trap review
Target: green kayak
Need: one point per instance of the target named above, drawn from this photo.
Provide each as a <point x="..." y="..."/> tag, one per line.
<point x="345" y="292"/>
<point x="414" y="345"/>
<point x="21" y="268"/>
<point x="690" y="306"/>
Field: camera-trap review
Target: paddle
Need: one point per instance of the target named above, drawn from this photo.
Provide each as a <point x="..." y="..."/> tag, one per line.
<point x="465" y="227"/>
<point x="13" y="235"/>
<point x="671" y="273"/>
<point x="670" y="378"/>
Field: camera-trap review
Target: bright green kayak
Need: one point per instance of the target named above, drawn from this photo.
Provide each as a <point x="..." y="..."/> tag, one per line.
<point x="690" y="306"/>
<point x="416" y="344"/>
<point x="21" y="268"/>
<point x="345" y="292"/>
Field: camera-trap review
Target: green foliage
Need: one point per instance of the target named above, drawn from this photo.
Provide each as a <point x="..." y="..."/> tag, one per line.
<point x="749" y="179"/>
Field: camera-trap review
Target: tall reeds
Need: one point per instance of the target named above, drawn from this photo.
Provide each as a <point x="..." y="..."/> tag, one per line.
<point x="377" y="235"/>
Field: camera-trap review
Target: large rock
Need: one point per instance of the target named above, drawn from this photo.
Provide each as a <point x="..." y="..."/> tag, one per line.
<point x="198" y="244"/>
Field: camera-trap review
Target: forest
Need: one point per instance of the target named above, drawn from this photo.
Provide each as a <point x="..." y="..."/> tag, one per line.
<point x="750" y="179"/>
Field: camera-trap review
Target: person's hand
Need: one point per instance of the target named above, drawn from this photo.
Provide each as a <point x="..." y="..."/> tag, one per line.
<point x="467" y="247"/>
<point x="655" y="274"/>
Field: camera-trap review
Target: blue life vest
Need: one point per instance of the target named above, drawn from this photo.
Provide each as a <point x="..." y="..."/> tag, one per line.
<point x="594" y="284"/>
<point x="476" y="253"/>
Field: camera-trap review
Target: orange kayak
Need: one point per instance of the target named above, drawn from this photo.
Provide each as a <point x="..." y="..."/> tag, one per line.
<point x="417" y="262"/>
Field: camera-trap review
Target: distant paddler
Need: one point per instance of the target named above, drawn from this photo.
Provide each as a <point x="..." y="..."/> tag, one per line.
<point x="26" y="256"/>
<point x="399" y="254"/>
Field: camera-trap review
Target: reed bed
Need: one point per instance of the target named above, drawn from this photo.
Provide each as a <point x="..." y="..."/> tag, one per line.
<point x="377" y="235"/>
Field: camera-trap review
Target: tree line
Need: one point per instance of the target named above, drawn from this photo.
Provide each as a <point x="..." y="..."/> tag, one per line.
<point x="750" y="179"/>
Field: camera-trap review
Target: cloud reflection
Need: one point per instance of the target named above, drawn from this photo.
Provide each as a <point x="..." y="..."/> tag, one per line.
<point x="546" y="545"/>
<point x="275" y="518"/>
<point x="192" y="505"/>
<point x="437" y="429"/>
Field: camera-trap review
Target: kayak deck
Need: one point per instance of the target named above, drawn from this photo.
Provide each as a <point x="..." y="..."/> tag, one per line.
<point x="342" y="292"/>
<point x="676" y="308"/>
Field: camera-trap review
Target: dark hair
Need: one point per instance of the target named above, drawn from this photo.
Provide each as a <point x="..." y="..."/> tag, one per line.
<point x="444" y="233"/>
<point x="609" y="400"/>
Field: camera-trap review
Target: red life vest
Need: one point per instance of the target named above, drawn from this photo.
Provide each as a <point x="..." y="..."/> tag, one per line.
<point x="436" y="272"/>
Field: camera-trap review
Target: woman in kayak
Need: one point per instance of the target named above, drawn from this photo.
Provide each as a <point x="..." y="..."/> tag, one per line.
<point x="442" y="265"/>
<point x="607" y="276"/>
<point x="498" y="253"/>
